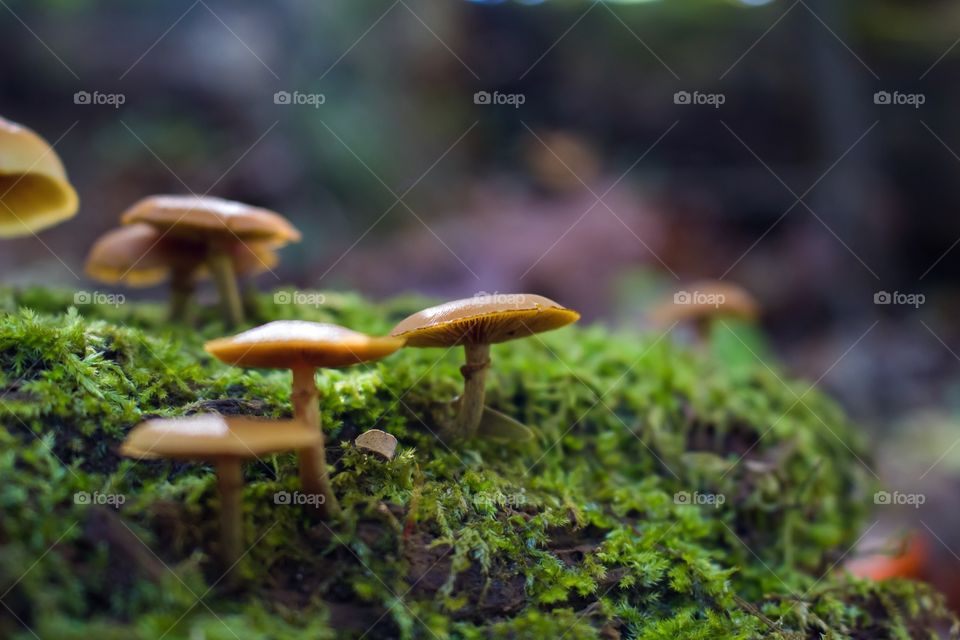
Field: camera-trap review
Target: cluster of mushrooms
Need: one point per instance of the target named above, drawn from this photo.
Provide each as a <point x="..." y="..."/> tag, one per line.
<point x="182" y="238"/>
<point x="185" y="238"/>
<point x="303" y="347"/>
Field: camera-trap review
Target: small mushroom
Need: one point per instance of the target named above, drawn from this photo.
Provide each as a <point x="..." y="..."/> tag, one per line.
<point x="34" y="190"/>
<point x="476" y="323"/>
<point x="218" y="227"/>
<point x="702" y="303"/>
<point x="303" y="347"/>
<point x="139" y="255"/>
<point x="378" y="442"/>
<point x="226" y="442"/>
<point x="135" y="255"/>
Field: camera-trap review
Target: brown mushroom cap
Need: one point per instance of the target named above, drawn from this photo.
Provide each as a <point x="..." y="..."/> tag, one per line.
<point x="204" y="217"/>
<point x="709" y="299"/>
<point x="211" y="436"/>
<point x="486" y="319"/>
<point x="378" y="442"/>
<point x="288" y="344"/>
<point x="34" y="190"/>
<point x="137" y="255"/>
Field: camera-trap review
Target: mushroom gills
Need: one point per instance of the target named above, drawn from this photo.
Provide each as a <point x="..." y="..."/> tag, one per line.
<point x="30" y="195"/>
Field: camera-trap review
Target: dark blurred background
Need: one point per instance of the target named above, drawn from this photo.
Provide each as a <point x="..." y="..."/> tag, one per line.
<point x="602" y="153"/>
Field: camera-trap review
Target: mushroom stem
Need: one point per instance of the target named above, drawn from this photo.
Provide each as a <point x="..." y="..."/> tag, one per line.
<point x="230" y="485"/>
<point x="474" y="389"/>
<point x="221" y="268"/>
<point x="313" y="461"/>
<point x="181" y="290"/>
<point x="251" y="303"/>
<point x="305" y="397"/>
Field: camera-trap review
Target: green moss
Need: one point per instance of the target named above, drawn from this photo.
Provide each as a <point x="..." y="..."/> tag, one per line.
<point x="583" y="533"/>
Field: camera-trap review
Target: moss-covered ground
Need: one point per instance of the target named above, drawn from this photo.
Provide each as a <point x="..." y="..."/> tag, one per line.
<point x="670" y="493"/>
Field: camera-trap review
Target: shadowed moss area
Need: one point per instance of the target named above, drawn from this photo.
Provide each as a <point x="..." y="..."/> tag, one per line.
<point x="607" y="525"/>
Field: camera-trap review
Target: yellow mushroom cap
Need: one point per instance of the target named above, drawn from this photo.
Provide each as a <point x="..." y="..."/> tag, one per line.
<point x="137" y="255"/>
<point x="34" y="190"/>
<point x="708" y="299"/>
<point x="288" y="344"/>
<point x="486" y="319"/>
<point x="206" y="217"/>
<point x="211" y="436"/>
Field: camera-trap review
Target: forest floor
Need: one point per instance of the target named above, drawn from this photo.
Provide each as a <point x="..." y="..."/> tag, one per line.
<point x="670" y="492"/>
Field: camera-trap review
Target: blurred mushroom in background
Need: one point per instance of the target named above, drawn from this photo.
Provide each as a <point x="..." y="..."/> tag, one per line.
<point x="217" y="229"/>
<point x="34" y="190"/>
<point x="139" y="255"/>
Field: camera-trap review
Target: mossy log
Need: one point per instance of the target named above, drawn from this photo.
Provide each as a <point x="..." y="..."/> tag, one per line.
<point x="667" y="494"/>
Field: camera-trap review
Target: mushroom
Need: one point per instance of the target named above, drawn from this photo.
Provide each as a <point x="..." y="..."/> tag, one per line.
<point x="303" y="347"/>
<point x="226" y="442"/>
<point x="703" y="302"/>
<point x="34" y="190"/>
<point x="377" y="442"/>
<point x="217" y="227"/>
<point x="138" y="255"/>
<point x="476" y="323"/>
